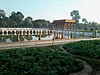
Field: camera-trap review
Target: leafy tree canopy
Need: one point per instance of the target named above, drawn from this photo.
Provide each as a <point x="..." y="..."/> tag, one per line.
<point x="75" y="15"/>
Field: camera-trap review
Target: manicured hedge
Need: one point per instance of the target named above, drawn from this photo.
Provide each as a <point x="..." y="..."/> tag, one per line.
<point x="37" y="61"/>
<point x="89" y="48"/>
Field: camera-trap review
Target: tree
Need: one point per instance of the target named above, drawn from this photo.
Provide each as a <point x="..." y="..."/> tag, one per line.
<point x="2" y="13"/>
<point x="17" y="17"/>
<point x="94" y="25"/>
<point x="13" y="23"/>
<point x="84" y="20"/>
<point x="41" y="23"/>
<point x="75" y="15"/>
<point x="28" y="22"/>
<point x="3" y="24"/>
<point x="38" y="24"/>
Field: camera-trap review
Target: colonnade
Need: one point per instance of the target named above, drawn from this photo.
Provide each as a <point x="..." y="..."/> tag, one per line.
<point x="24" y="31"/>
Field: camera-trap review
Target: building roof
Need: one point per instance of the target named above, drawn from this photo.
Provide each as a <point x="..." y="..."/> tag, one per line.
<point x="63" y="21"/>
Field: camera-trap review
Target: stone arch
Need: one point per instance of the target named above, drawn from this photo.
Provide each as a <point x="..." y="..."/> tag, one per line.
<point x="31" y="32"/>
<point x="13" y="32"/>
<point x="27" y="32"/>
<point x="9" y="32"/>
<point x="50" y="31"/>
<point x="43" y="32"/>
<point x="34" y="32"/>
<point x="24" y="32"/>
<point x="5" y="32"/>
<point x="39" y="31"/>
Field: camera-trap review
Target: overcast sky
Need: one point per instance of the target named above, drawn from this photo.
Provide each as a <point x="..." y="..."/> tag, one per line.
<point x="53" y="9"/>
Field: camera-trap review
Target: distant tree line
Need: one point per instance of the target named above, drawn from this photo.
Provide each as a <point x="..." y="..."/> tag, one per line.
<point x="16" y="19"/>
<point x="85" y="25"/>
<point x="89" y="26"/>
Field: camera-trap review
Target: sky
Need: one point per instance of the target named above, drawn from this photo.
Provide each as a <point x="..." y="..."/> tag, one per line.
<point x="53" y="9"/>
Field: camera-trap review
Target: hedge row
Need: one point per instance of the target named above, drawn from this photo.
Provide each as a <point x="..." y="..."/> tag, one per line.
<point x="89" y="48"/>
<point x="37" y="61"/>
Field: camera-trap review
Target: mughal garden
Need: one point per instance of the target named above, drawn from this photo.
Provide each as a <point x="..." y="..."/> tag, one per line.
<point x="79" y="56"/>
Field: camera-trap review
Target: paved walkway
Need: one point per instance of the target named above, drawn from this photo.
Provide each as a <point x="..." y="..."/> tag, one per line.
<point x="40" y="43"/>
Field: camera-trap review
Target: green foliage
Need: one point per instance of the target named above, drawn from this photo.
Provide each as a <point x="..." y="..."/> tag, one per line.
<point x="91" y="29"/>
<point x="41" y="23"/>
<point x="84" y="20"/>
<point x="89" y="25"/>
<point x="2" y="13"/>
<point x="37" y="61"/>
<point x="75" y="15"/>
<point x="16" y="19"/>
<point x="89" y="48"/>
<point x="28" y="22"/>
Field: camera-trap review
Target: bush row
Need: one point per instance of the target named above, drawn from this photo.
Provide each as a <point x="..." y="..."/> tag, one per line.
<point x="89" y="48"/>
<point x="37" y="61"/>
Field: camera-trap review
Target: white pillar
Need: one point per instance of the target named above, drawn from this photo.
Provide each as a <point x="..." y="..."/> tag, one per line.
<point x="25" y="32"/>
<point x="22" y="32"/>
<point x="7" y="32"/>
<point x="38" y="32"/>
<point x="46" y="31"/>
<point x="14" y="32"/>
<point x="2" y="32"/>
<point x="35" y="32"/>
